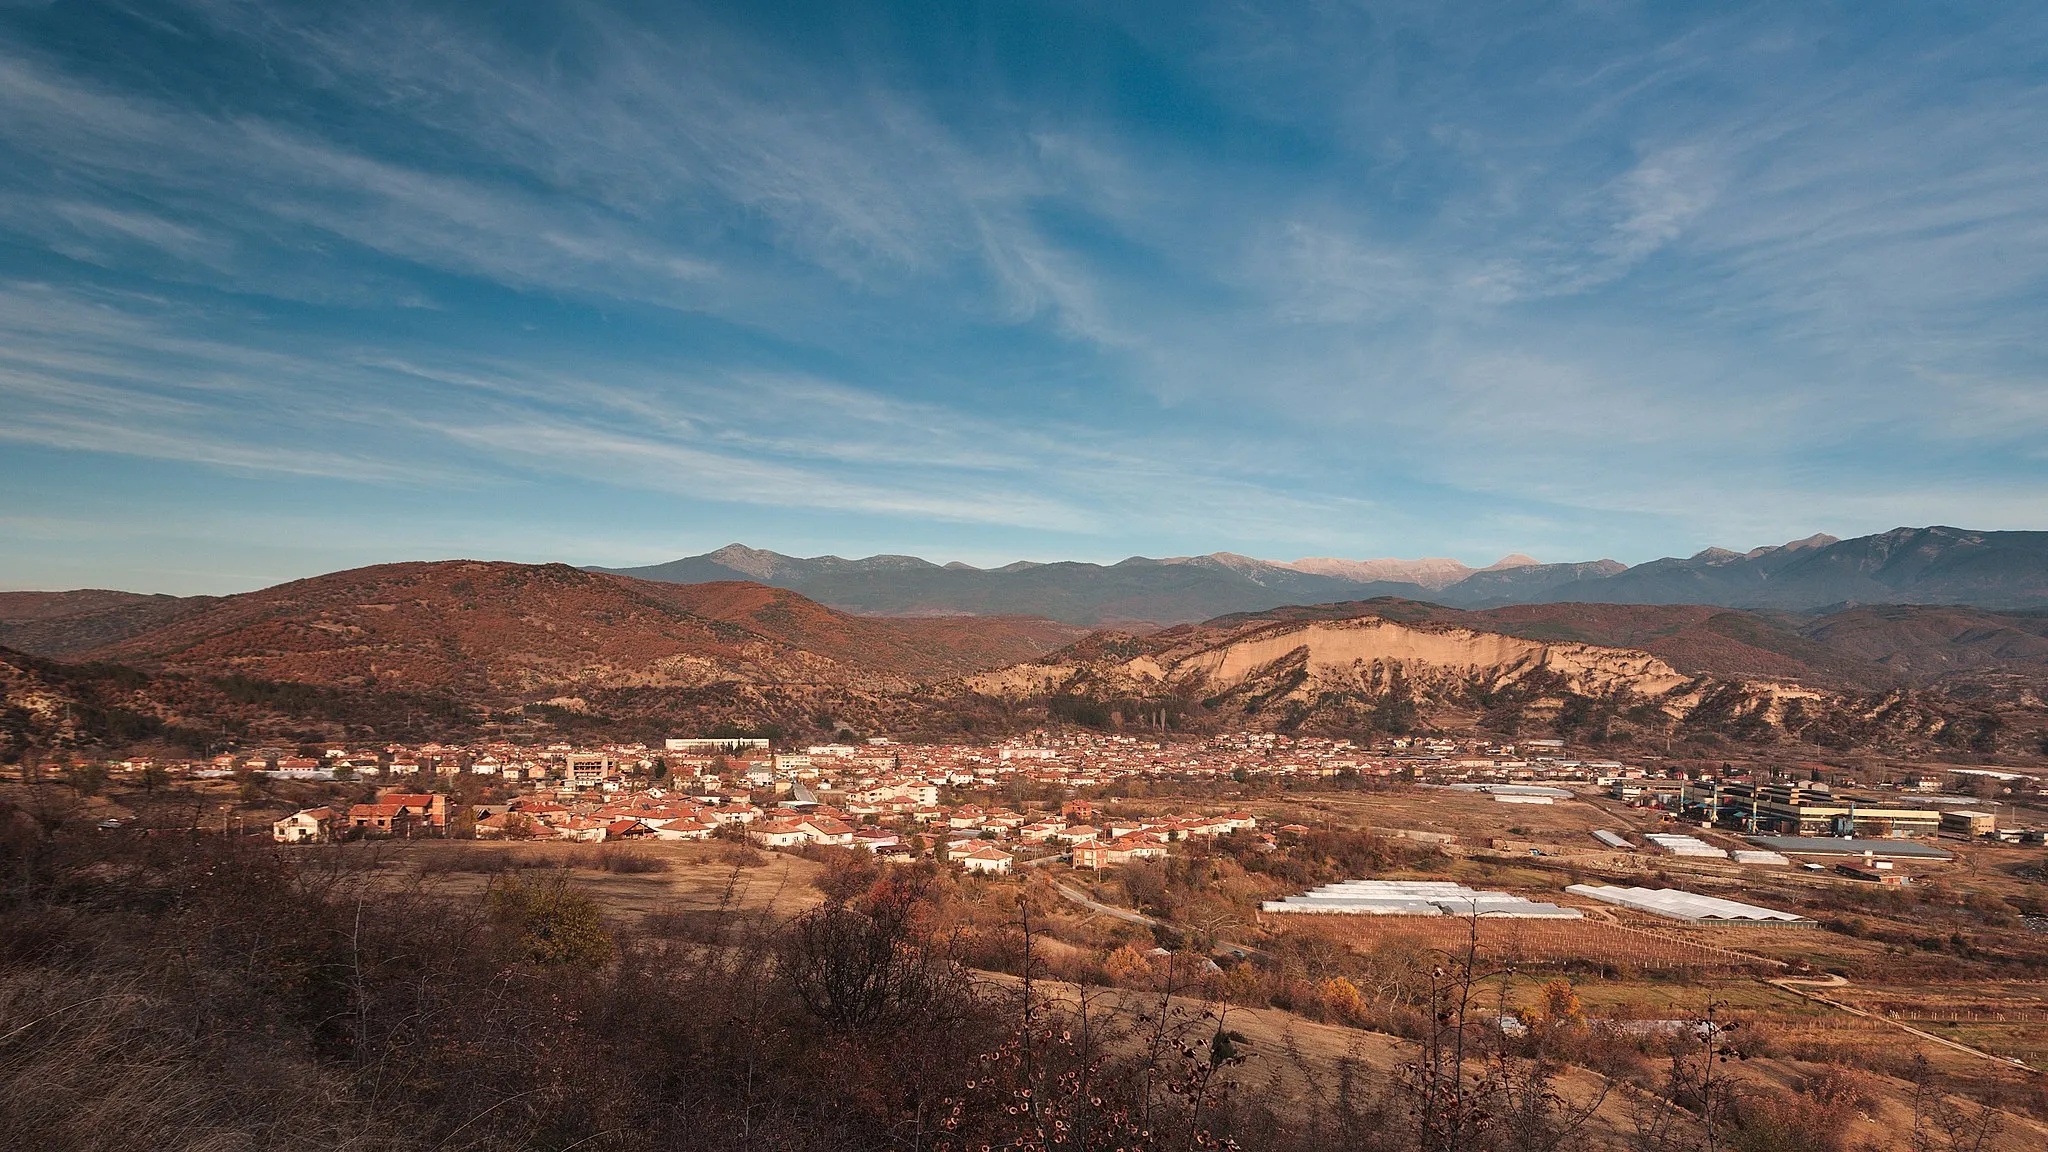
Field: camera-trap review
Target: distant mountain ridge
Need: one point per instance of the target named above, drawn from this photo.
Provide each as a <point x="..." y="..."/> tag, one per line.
<point x="1138" y="590"/>
<point x="1933" y="565"/>
<point x="1429" y="572"/>
<point x="447" y="646"/>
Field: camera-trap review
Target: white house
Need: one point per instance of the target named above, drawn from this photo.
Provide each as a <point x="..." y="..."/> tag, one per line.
<point x="305" y="827"/>
<point x="986" y="859"/>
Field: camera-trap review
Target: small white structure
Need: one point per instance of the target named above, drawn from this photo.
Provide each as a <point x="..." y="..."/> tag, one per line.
<point x="1499" y="790"/>
<point x="1686" y="845"/>
<point x="1689" y="906"/>
<point x="1612" y="839"/>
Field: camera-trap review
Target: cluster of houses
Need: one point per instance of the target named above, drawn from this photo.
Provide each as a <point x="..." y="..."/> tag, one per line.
<point x="897" y="820"/>
<point x="393" y="814"/>
<point x="879" y="766"/>
<point x="884" y="797"/>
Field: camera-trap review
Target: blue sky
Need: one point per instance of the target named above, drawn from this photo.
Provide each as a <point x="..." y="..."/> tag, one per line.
<point x="289" y="288"/>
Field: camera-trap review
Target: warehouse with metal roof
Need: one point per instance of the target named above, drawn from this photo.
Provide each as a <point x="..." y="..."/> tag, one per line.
<point x="1689" y="906"/>
<point x="1679" y="845"/>
<point x="1834" y="846"/>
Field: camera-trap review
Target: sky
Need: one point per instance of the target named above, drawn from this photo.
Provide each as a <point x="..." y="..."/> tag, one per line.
<point x="287" y="288"/>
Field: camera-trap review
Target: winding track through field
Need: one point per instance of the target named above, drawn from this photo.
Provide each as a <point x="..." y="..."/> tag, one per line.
<point x="1834" y="981"/>
<point x="1129" y="917"/>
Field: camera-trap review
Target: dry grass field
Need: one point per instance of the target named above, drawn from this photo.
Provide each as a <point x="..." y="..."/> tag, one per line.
<point x="1591" y="942"/>
<point x="1653" y="971"/>
<point x="629" y="881"/>
<point x="1298" y="1059"/>
<point x="1474" y="820"/>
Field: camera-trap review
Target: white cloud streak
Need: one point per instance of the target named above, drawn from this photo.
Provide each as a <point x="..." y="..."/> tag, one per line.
<point x="1687" y="277"/>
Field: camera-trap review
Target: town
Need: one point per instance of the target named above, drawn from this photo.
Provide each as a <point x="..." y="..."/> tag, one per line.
<point x="1314" y="879"/>
<point x="886" y="796"/>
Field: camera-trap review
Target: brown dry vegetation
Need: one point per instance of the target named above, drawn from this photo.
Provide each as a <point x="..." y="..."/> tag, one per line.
<point x="170" y="991"/>
<point x="493" y="627"/>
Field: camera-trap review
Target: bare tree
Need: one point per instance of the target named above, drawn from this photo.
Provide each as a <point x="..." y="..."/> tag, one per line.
<point x="869" y="963"/>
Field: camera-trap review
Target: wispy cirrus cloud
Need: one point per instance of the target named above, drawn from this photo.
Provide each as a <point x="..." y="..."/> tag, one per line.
<point x="112" y="376"/>
<point x="1299" y="278"/>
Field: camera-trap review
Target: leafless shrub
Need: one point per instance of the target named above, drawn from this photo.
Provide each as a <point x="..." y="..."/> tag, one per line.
<point x="629" y="861"/>
<point x="740" y="854"/>
<point x="869" y="961"/>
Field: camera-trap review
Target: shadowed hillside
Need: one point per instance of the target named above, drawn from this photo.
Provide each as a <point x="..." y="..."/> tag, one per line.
<point x="486" y="628"/>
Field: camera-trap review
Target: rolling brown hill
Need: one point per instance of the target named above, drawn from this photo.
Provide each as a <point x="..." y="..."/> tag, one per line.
<point x="403" y="648"/>
<point x="496" y="630"/>
<point x="1929" y="644"/>
<point x="64" y="623"/>
<point x="1871" y="646"/>
<point x="1594" y="673"/>
<point x="47" y="704"/>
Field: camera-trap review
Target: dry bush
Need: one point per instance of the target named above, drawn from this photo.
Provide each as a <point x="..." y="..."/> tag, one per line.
<point x="163" y="992"/>
<point x="1341" y="1001"/>
<point x="93" y="1060"/>
<point x="171" y="992"/>
<point x="740" y="854"/>
<point x="628" y="861"/>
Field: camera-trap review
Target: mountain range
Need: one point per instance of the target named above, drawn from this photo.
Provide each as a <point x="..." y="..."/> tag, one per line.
<point x="1933" y="565"/>
<point x="426" y="649"/>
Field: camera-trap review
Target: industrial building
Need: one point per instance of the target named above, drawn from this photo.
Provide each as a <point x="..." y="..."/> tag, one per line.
<point x="1838" y="846"/>
<point x="1688" y="906"/>
<point x="1800" y="810"/>
<point x="1969" y="822"/>
<point x="1416" y="898"/>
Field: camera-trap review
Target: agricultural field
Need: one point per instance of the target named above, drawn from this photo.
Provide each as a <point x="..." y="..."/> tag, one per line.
<point x="2006" y="1019"/>
<point x="1474" y="820"/>
<point x="1892" y="975"/>
<point x="1592" y="945"/>
<point x="677" y="880"/>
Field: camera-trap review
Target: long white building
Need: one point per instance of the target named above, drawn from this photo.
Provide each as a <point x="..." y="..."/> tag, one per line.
<point x="1689" y="906"/>
<point x="1416" y="898"/>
